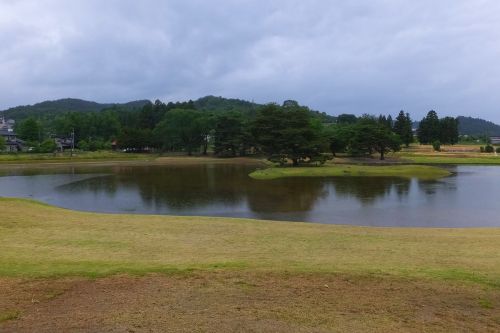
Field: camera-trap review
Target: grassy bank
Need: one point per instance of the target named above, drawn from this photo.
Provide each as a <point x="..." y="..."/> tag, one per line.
<point x="37" y="240"/>
<point x="452" y="159"/>
<point x="405" y="171"/>
<point x="22" y="158"/>
<point x="226" y="275"/>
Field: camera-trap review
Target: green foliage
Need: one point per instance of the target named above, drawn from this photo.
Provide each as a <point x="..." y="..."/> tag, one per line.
<point x="152" y="114"/>
<point x="338" y="137"/>
<point x="180" y="130"/>
<point x="403" y="128"/>
<point x="229" y="135"/>
<point x="49" y="110"/>
<point x="345" y="119"/>
<point x="370" y="136"/>
<point x="436" y="145"/>
<point x="94" y="145"/>
<point x="2" y="143"/>
<point x="287" y="131"/>
<point x="448" y="130"/>
<point x="489" y="149"/>
<point x="135" y="139"/>
<point x="497" y="150"/>
<point x="477" y="127"/>
<point x="429" y="128"/>
<point x="47" y="146"/>
<point x="432" y="129"/>
<point x="29" y="130"/>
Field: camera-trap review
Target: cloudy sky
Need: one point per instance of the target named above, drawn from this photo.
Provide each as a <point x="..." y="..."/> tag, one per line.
<point x="371" y="56"/>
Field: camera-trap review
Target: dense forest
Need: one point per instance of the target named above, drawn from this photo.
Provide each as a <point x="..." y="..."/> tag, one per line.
<point x="227" y="128"/>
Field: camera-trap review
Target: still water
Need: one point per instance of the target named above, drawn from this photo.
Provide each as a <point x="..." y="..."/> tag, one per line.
<point x="469" y="198"/>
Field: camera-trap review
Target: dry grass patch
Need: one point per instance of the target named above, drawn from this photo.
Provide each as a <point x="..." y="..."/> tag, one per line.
<point x="251" y="302"/>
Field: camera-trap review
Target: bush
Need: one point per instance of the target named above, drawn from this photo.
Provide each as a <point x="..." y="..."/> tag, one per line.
<point x="498" y="150"/>
<point x="481" y="149"/>
<point x="48" y="146"/>
<point x="489" y="149"/>
<point x="436" y="145"/>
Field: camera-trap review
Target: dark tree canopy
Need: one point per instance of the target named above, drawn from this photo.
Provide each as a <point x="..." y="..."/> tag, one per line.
<point x="432" y="129"/>
<point x="403" y="128"/>
<point x="429" y="128"/>
<point x="180" y="130"/>
<point x="287" y="132"/>
<point x="29" y="130"/>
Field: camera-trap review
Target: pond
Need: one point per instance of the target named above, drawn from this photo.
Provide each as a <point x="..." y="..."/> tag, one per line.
<point x="468" y="198"/>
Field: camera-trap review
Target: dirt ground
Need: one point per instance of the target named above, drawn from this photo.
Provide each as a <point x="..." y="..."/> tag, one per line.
<point x="246" y="302"/>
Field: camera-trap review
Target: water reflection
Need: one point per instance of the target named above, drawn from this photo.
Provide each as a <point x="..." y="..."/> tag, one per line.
<point x="226" y="190"/>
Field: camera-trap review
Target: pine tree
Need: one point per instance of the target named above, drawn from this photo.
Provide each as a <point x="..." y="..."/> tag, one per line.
<point x="403" y="128"/>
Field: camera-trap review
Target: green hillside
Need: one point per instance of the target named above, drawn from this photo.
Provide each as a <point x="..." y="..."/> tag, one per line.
<point x="49" y="109"/>
<point x="476" y="127"/>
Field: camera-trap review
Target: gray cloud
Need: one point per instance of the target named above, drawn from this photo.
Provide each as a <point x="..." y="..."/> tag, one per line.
<point x="376" y="56"/>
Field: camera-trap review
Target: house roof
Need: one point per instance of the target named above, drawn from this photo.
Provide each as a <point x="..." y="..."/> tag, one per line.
<point x="4" y="132"/>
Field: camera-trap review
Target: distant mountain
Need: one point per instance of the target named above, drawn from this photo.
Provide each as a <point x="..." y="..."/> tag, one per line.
<point x="476" y="127"/>
<point x="473" y="126"/>
<point x="48" y="109"/>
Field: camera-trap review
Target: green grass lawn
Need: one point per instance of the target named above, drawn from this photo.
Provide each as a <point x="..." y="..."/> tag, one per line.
<point x="78" y="156"/>
<point x="406" y="171"/>
<point x="38" y="240"/>
<point x="487" y="159"/>
<point x="68" y="270"/>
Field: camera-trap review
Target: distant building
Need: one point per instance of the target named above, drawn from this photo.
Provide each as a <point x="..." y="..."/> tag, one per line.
<point x="6" y="124"/>
<point x="495" y="140"/>
<point x="12" y="143"/>
<point x="63" y="144"/>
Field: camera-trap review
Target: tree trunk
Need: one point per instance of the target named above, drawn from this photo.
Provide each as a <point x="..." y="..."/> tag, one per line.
<point x="295" y="161"/>
<point x="382" y="157"/>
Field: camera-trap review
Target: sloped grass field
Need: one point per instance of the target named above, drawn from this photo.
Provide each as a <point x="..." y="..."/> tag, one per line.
<point x="220" y="273"/>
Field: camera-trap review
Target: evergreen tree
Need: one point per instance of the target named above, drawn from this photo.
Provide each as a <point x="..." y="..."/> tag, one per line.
<point x="403" y="128"/>
<point x="448" y="130"/>
<point x="429" y="129"/>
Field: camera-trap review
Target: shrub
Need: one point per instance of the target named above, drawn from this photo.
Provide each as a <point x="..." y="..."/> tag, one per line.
<point x="489" y="149"/>
<point x="481" y="149"/>
<point x="436" y="145"/>
<point x="48" y="146"/>
<point x="498" y="150"/>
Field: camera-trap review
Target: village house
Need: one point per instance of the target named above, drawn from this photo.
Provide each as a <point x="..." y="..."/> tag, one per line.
<point x="495" y="140"/>
<point x="12" y="143"/>
<point x="6" y="124"/>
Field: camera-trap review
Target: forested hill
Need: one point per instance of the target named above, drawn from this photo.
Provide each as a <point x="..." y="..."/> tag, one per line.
<point x="220" y="104"/>
<point x="473" y="127"/>
<point x="49" y="109"/>
<point x="476" y="126"/>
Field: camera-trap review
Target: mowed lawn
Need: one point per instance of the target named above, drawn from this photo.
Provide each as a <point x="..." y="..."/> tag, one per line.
<point x="355" y="275"/>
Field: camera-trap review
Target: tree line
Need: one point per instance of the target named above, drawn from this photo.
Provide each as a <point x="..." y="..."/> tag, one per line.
<point x="287" y="132"/>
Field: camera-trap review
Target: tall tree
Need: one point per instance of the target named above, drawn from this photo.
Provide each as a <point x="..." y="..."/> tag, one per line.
<point x="180" y="130"/>
<point x="30" y="130"/>
<point x="403" y="128"/>
<point x="288" y="132"/>
<point x="229" y="134"/>
<point x="371" y="136"/>
<point x="448" y="130"/>
<point x="429" y="129"/>
<point x="338" y="137"/>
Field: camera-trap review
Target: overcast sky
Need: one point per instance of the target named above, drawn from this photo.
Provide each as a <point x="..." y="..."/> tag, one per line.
<point x="337" y="56"/>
